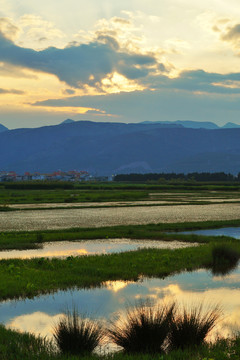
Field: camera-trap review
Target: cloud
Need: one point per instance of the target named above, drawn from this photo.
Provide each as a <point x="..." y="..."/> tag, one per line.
<point x="11" y="91"/>
<point x="85" y="64"/>
<point x="9" y="70"/>
<point x="7" y="27"/>
<point x="121" y="21"/>
<point x="232" y="35"/>
<point x="95" y="112"/>
<point x="36" y="31"/>
<point x="161" y="104"/>
<point x="229" y="32"/>
<point x="196" y="81"/>
<point x="69" y="91"/>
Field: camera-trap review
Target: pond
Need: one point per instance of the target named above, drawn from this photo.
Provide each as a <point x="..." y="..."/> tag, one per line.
<point x="38" y="315"/>
<point x="229" y="231"/>
<point x="63" y="249"/>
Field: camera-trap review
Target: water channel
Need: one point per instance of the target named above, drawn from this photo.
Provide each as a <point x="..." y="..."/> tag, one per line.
<point x="38" y="315"/>
<point x="228" y="231"/>
<point x="63" y="249"/>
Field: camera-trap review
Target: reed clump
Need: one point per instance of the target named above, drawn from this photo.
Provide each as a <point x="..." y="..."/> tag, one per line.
<point x="143" y="330"/>
<point x="190" y="327"/>
<point x="76" y="335"/>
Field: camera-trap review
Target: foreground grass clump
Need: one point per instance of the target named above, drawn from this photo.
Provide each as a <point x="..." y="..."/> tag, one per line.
<point x="144" y="330"/>
<point x="190" y="327"/>
<point x="76" y="335"/>
<point x="23" y="346"/>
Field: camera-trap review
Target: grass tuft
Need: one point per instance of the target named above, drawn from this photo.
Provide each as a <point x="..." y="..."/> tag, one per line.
<point x="77" y="335"/>
<point x="144" y="330"/>
<point x="190" y="327"/>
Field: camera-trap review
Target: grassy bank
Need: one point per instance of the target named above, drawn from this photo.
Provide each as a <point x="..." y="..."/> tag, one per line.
<point x="18" y="346"/>
<point x="35" y="239"/>
<point x="27" y="278"/>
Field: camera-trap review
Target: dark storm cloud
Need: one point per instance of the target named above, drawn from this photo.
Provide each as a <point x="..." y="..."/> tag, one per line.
<point x="78" y="65"/>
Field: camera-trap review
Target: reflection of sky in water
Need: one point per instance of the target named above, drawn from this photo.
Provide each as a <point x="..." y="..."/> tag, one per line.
<point x="39" y="314"/>
<point x="230" y="231"/>
<point x="90" y="247"/>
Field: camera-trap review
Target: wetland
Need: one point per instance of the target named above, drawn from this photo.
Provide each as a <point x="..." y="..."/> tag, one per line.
<point x="35" y="291"/>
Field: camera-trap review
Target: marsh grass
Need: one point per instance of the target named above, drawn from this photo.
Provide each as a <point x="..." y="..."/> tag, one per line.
<point x="224" y="259"/>
<point x="29" y="240"/>
<point x="190" y="327"/>
<point x="19" y="346"/>
<point x="77" y="335"/>
<point x="144" y="330"/>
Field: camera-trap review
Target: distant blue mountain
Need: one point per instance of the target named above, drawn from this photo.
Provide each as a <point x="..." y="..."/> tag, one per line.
<point x="187" y="124"/>
<point x="3" y="128"/>
<point x="67" y="121"/>
<point x="111" y="148"/>
<point x="230" y="125"/>
<point x="195" y="124"/>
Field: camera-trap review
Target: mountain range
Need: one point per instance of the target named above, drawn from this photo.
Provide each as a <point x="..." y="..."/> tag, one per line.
<point x="114" y="148"/>
<point x="195" y="124"/>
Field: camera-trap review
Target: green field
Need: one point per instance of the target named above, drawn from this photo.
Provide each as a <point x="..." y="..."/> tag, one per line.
<point x="51" y="192"/>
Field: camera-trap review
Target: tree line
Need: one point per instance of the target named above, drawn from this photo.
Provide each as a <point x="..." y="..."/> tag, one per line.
<point x="194" y="176"/>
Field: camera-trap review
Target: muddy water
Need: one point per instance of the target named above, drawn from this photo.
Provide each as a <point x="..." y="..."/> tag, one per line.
<point x="63" y="249"/>
<point x="66" y="218"/>
<point x="39" y="314"/>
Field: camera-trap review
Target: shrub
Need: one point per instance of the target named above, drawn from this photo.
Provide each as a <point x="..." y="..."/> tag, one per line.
<point x="190" y="327"/>
<point x="77" y="335"/>
<point x="144" y="329"/>
<point x="224" y="259"/>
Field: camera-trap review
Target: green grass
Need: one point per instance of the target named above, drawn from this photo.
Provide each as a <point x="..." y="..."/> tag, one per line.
<point x="34" y="239"/>
<point x="22" y="346"/>
<point x="31" y="196"/>
<point x="61" y="192"/>
<point x="27" y="278"/>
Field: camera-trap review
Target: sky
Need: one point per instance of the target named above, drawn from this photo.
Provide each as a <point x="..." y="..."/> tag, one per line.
<point x="127" y="61"/>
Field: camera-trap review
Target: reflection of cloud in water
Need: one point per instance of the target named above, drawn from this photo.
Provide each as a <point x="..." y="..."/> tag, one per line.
<point x="37" y="323"/>
<point x="90" y="247"/>
<point x="190" y="288"/>
<point x="230" y="279"/>
<point x="227" y="299"/>
<point x="115" y="286"/>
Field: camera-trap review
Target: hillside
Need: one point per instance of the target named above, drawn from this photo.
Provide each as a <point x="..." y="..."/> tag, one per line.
<point x="110" y="148"/>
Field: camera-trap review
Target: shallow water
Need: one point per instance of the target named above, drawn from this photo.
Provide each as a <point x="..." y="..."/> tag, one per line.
<point x="62" y="249"/>
<point x="92" y="217"/>
<point x="229" y="231"/>
<point x="38" y="315"/>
